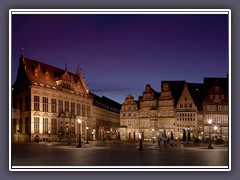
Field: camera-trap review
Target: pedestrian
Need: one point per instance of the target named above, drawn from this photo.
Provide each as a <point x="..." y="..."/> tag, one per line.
<point x="159" y="142"/>
<point x="37" y="138"/>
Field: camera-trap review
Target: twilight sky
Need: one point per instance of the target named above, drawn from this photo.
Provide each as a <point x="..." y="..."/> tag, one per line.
<point x="120" y="54"/>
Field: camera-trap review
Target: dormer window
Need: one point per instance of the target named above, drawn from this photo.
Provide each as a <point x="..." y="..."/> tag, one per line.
<point x="36" y="71"/>
<point x="66" y="86"/>
<point x="47" y="75"/>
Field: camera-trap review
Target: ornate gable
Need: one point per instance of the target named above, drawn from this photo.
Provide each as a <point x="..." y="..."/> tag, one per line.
<point x="186" y="100"/>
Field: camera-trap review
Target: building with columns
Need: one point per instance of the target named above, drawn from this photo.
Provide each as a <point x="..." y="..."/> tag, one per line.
<point x="48" y="101"/>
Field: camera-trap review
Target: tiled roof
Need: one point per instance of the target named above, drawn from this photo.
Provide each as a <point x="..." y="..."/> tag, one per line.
<point x="55" y="74"/>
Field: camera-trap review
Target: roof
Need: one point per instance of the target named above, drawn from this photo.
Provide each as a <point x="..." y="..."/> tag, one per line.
<point x="209" y="82"/>
<point x="176" y="87"/>
<point x="30" y="67"/>
<point x="196" y="91"/>
<point x="105" y="103"/>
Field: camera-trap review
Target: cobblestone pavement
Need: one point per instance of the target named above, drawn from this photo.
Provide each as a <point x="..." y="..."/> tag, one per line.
<point x="111" y="153"/>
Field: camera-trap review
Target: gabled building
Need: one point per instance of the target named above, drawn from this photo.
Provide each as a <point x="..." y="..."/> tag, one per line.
<point x="215" y="107"/>
<point x="148" y="112"/>
<point x="166" y="111"/>
<point x="186" y="113"/>
<point x="47" y="103"/>
<point x="129" y="120"/>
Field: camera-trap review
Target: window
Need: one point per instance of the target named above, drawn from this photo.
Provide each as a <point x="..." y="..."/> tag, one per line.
<point x="78" y="109"/>
<point x="54" y="126"/>
<point x="66" y="106"/>
<point x="209" y="107"/>
<point x="45" y="104"/>
<point x="216" y="88"/>
<point x="36" y="103"/>
<point x="60" y="106"/>
<point x="36" y="125"/>
<point x="88" y="111"/>
<point x="27" y="103"/>
<point x="66" y="86"/>
<point x="219" y="107"/>
<point x="185" y="105"/>
<point x="47" y="75"/>
<point x="36" y="72"/>
<point x="129" y="114"/>
<point x="54" y="105"/>
<point x="222" y="96"/>
<point x="45" y="125"/>
<point x="181" y="105"/>
<point x="73" y="108"/>
<point x="83" y="110"/>
<point x="214" y="108"/>
<point x="190" y="105"/>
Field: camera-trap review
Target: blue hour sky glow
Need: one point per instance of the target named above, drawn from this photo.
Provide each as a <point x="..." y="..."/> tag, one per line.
<point x="121" y="53"/>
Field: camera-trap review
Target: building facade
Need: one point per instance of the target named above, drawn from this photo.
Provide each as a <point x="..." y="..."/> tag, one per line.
<point x="215" y="107"/>
<point x="106" y="118"/>
<point x="179" y="107"/>
<point x="186" y="114"/>
<point x="129" y="118"/>
<point x="48" y="102"/>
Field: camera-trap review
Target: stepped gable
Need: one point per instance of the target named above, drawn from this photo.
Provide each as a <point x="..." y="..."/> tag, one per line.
<point x="176" y="87"/>
<point x="41" y="73"/>
<point x="149" y="90"/>
<point x="209" y="82"/>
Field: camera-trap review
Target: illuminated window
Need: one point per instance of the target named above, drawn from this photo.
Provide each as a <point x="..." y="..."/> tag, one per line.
<point x="45" y="104"/>
<point x="73" y="108"/>
<point x="54" y="105"/>
<point x="36" y="103"/>
<point x="47" y="75"/>
<point x="36" y="125"/>
<point x="66" y="106"/>
<point x="36" y="71"/>
<point x="60" y="106"/>
<point x="45" y="125"/>
<point x="79" y="109"/>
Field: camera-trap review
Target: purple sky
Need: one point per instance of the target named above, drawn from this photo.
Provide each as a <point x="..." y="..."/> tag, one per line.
<point x="120" y="54"/>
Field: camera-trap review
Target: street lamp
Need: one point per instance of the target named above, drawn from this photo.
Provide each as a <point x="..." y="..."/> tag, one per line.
<point x="18" y="132"/>
<point x="153" y="135"/>
<point x="79" y="135"/>
<point x="140" y="140"/>
<point x="87" y="134"/>
<point x="215" y="128"/>
<point x="68" y="132"/>
<point x="49" y="136"/>
<point x="210" y="143"/>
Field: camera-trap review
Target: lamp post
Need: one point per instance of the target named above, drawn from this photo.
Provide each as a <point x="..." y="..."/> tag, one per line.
<point x="153" y="135"/>
<point x="140" y="141"/>
<point x="210" y="143"/>
<point x="87" y="134"/>
<point x="68" y="132"/>
<point x="215" y="128"/>
<point x="18" y="132"/>
<point x="49" y="136"/>
<point x="79" y="135"/>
